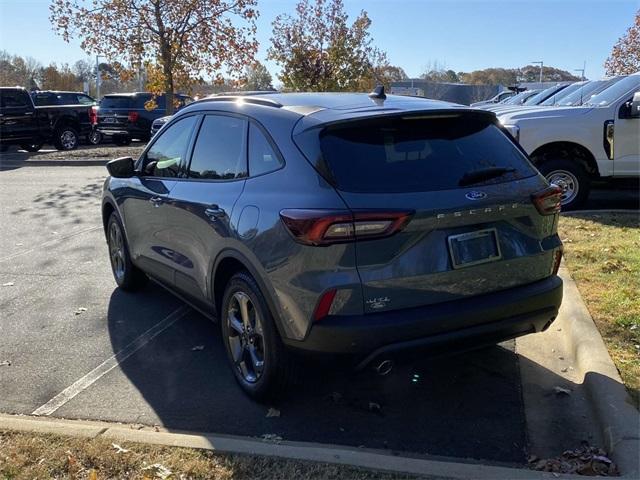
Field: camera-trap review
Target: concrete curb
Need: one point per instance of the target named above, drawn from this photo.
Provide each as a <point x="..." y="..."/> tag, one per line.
<point x="618" y="419"/>
<point x="593" y="212"/>
<point x="372" y="459"/>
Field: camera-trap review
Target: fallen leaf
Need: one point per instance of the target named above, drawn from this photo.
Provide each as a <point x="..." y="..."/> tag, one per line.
<point x="119" y="449"/>
<point x="273" y="412"/>
<point x="5" y="363"/>
<point x="271" y="437"/>
<point x="8" y="284"/>
<point x="80" y="310"/>
<point x="375" y="407"/>
<point x="93" y="474"/>
<point x="563" y="370"/>
<point x="158" y="471"/>
<point x="197" y="348"/>
<point x="561" y="391"/>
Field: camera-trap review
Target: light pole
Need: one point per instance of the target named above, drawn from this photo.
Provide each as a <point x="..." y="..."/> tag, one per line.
<point x="541" y="64"/>
<point x="98" y="76"/>
<point x="581" y="70"/>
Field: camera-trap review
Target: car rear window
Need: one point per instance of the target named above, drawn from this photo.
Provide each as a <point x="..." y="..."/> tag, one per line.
<point x="115" y="102"/>
<point x="418" y="154"/>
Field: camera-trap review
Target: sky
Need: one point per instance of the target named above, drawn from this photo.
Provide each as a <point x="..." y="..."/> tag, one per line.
<point x="463" y="35"/>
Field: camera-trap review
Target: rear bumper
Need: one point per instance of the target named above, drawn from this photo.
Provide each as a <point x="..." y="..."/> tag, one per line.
<point x="123" y="132"/>
<point x="461" y="324"/>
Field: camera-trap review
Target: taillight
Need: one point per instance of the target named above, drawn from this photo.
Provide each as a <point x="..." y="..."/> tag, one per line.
<point x="326" y="227"/>
<point x="557" y="258"/>
<point x="324" y="305"/>
<point x="548" y="201"/>
<point x="93" y="115"/>
<point x="133" y="117"/>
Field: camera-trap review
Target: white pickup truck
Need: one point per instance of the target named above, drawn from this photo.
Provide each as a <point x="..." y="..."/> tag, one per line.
<point x="573" y="146"/>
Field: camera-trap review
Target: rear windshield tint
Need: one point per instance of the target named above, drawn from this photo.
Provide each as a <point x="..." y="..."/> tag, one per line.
<point x="414" y="155"/>
<point x="116" y="102"/>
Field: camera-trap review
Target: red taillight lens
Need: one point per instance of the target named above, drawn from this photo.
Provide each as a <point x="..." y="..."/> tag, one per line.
<point x="93" y="115"/>
<point x="133" y="116"/>
<point x="548" y="200"/>
<point x="326" y="227"/>
<point x="324" y="305"/>
<point x="557" y="258"/>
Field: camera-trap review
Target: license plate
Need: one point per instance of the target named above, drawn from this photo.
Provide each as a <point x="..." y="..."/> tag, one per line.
<point x="474" y="248"/>
<point x="109" y="120"/>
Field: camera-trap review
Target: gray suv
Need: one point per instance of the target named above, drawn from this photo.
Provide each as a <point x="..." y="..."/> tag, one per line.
<point x="362" y="228"/>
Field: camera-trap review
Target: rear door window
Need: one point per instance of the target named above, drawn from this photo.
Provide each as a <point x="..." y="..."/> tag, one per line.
<point x="14" y="99"/>
<point x="414" y="155"/>
<point x="167" y="154"/>
<point x="220" y="149"/>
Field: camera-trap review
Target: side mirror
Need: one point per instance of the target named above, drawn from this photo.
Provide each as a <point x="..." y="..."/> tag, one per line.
<point x="123" y="167"/>
<point x="634" y="110"/>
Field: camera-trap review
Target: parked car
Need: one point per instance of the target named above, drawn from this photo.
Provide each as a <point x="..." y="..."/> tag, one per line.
<point x="505" y="94"/>
<point x="365" y="229"/>
<point x="532" y="101"/>
<point x="22" y="123"/>
<point x="517" y="99"/>
<point x="584" y="94"/>
<point x="574" y="146"/>
<point x="43" y="98"/>
<point x="158" y="123"/>
<point x="125" y="116"/>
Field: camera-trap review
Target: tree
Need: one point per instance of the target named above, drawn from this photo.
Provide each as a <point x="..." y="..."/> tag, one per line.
<point x="318" y="50"/>
<point x="258" y="78"/>
<point x="183" y="37"/>
<point x="625" y="55"/>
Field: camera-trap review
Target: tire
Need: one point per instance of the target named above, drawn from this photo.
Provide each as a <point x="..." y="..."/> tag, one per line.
<point x="94" y="138"/>
<point x="126" y="274"/>
<point x="258" y="331"/>
<point x="571" y="177"/>
<point x="66" y="138"/>
<point x="122" y="140"/>
<point x="33" y="147"/>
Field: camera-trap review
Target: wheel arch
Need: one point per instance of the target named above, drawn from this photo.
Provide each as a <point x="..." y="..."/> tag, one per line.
<point x="228" y="263"/>
<point x="567" y="150"/>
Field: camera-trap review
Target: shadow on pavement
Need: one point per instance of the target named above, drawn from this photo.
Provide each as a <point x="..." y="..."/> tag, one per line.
<point x="467" y="406"/>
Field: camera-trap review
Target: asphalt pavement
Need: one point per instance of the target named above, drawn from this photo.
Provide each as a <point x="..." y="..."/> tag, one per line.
<point x="78" y="347"/>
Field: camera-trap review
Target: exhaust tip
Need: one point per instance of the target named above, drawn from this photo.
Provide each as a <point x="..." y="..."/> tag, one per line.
<point x="384" y="367"/>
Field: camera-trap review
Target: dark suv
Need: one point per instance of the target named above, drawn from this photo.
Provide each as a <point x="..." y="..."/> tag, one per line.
<point x="366" y="228"/>
<point x="124" y="116"/>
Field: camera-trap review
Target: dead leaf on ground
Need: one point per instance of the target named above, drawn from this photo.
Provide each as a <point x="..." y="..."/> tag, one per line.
<point x="197" y="348"/>
<point x="80" y="310"/>
<point x="119" y="449"/>
<point x="8" y="284"/>
<point x="158" y="471"/>
<point x="273" y="412"/>
<point x="375" y="407"/>
<point x="5" y="363"/>
<point x="561" y="391"/>
<point x="585" y="460"/>
<point x="271" y="437"/>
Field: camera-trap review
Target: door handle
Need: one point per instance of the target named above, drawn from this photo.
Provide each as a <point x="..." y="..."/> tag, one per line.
<point x="214" y="212"/>
<point x="156" y="201"/>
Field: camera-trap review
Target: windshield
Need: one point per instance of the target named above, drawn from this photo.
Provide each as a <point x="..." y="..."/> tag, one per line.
<point x="581" y="95"/>
<point x="615" y="91"/>
<point x="554" y="99"/>
<point x="517" y="99"/>
<point x="543" y="95"/>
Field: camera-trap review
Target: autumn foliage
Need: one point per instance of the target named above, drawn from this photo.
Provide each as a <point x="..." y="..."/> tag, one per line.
<point x="177" y="41"/>
<point x="625" y="55"/>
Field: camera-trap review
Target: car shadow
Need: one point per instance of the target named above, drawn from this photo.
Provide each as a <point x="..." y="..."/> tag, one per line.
<point x="468" y="405"/>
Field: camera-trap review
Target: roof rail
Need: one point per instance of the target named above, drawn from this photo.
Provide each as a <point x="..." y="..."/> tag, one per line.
<point x="257" y="100"/>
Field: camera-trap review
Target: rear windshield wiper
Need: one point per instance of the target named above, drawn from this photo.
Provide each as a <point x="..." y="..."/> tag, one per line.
<point x="476" y="176"/>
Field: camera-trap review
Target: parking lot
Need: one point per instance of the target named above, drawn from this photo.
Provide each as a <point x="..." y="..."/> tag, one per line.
<point x="74" y="346"/>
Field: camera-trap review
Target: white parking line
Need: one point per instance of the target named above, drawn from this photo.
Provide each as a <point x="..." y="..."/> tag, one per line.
<point x="112" y="362"/>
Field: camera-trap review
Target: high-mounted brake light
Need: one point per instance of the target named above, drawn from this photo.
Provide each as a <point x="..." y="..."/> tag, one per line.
<point x="326" y="227"/>
<point x="133" y="117"/>
<point x="548" y="201"/>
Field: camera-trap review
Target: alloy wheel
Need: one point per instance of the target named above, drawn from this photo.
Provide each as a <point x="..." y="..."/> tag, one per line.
<point x="567" y="181"/>
<point x="116" y="251"/>
<point x="68" y="139"/>
<point x="246" y="337"/>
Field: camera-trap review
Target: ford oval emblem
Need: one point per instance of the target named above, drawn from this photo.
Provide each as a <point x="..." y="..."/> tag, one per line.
<point x="475" y="195"/>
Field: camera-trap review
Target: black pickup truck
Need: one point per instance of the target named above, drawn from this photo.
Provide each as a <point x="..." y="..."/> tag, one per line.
<point x="22" y="123"/>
